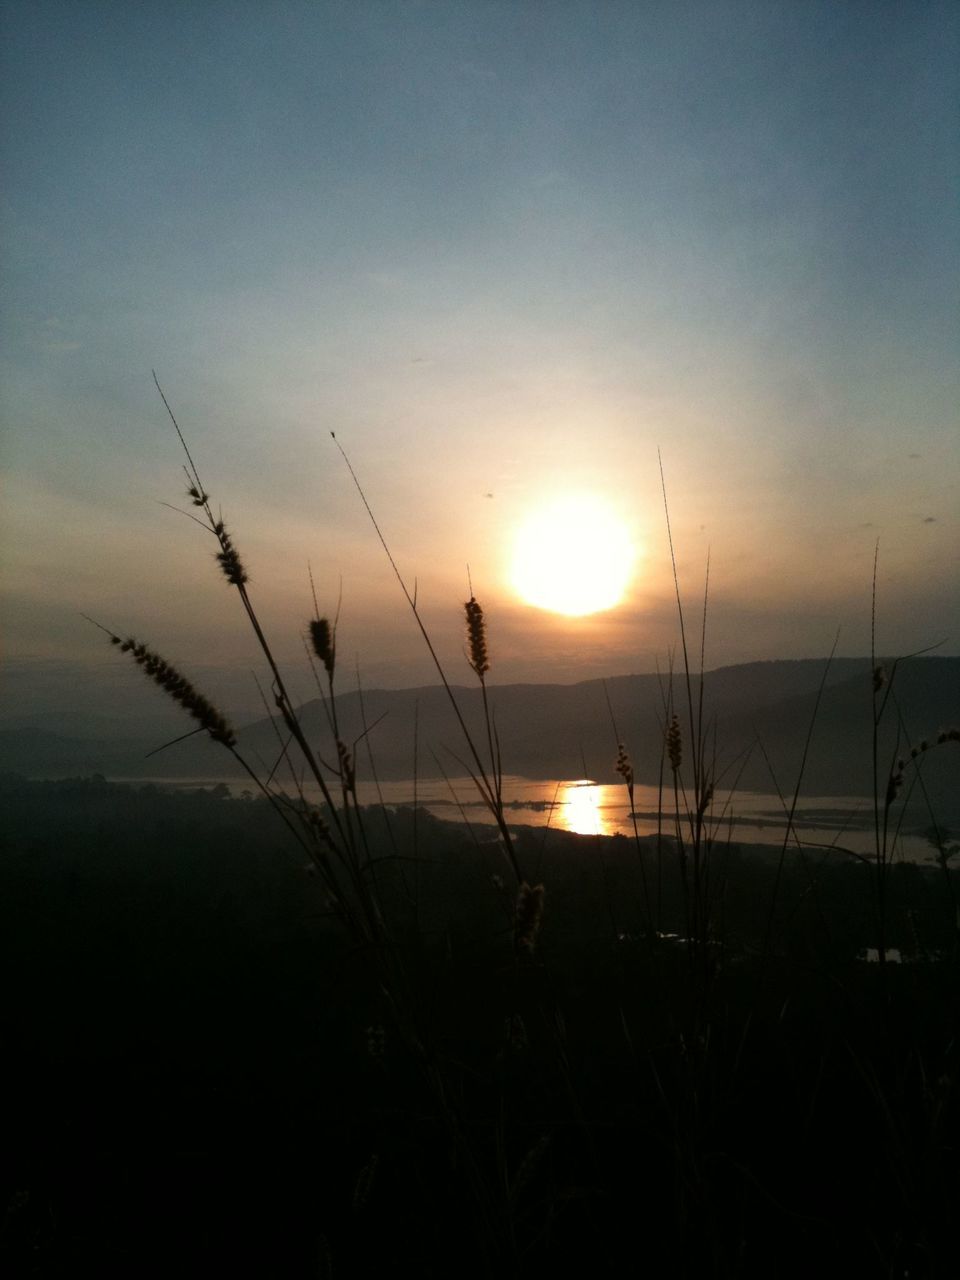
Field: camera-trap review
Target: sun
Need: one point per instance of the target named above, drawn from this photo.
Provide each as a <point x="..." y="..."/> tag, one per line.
<point x="573" y="556"/>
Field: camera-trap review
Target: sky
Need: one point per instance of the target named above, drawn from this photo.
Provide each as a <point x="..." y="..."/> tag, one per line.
<point x="506" y="252"/>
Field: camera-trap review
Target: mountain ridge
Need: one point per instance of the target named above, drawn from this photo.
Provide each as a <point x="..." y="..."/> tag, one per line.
<point x="565" y="730"/>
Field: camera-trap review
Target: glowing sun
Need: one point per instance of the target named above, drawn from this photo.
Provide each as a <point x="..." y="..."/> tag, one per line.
<point x="573" y="557"/>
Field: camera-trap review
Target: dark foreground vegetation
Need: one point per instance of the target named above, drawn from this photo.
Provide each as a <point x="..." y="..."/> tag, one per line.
<point x="276" y="1037"/>
<point x="207" y="1075"/>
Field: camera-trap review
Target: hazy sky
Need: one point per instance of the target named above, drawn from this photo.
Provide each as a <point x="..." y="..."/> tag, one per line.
<point x="505" y="251"/>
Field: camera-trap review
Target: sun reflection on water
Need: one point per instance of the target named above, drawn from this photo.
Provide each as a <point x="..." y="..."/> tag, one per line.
<point x="581" y="809"/>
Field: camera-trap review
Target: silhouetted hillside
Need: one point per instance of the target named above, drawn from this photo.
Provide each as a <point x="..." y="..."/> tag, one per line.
<point x="565" y="730"/>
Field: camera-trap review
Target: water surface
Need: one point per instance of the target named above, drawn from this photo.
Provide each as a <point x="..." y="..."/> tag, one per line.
<point x="593" y="808"/>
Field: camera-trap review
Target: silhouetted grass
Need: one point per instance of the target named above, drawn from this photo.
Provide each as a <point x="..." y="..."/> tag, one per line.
<point x="201" y="1071"/>
<point x="277" y="1038"/>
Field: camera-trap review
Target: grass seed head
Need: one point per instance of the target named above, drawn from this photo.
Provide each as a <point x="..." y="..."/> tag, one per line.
<point x="347" y="772"/>
<point x="321" y="637"/>
<point x="477" y="637"/>
<point x="365" y="1181"/>
<point x="317" y="823"/>
<point x="528" y="917"/>
<point x="179" y="688"/>
<point x="515" y="1033"/>
<point x="624" y="767"/>
<point x="376" y="1037"/>
<point x="228" y="557"/>
<point x="894" y="783"/>
<point x="674" y="744"/>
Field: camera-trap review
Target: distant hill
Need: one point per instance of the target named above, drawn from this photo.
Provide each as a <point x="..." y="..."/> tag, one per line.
<point x="38" y="753"/>
<point x="549" y="730"/>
